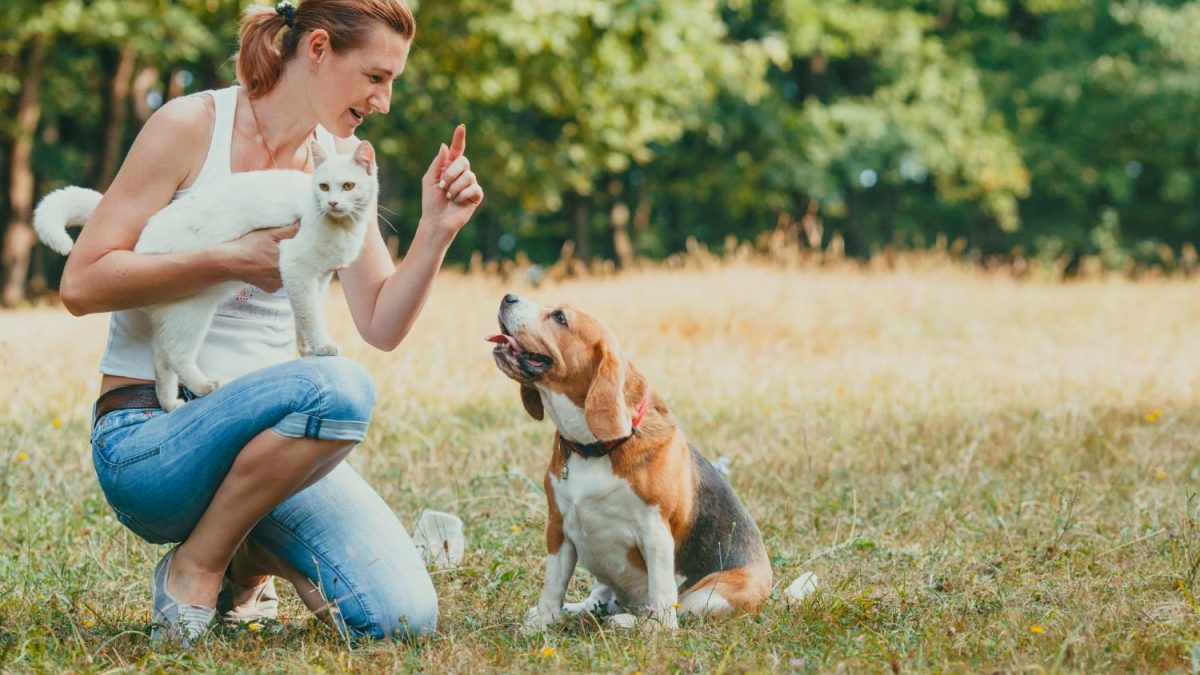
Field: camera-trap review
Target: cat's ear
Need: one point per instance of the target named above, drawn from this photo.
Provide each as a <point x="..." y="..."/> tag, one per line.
<point x="318" y="154"/>
<point x="364" y="156"/>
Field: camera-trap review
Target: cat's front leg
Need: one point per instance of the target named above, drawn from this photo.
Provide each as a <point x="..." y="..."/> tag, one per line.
<point x="300" y="346"/>
<point x="178" y="331"/>
<point x="305" y="293"/>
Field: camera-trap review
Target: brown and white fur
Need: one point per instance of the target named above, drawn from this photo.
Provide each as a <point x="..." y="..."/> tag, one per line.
<point x="657" y="526"/>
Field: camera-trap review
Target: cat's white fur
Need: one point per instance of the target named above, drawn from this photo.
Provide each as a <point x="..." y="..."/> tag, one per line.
<point x="332" y="205"/>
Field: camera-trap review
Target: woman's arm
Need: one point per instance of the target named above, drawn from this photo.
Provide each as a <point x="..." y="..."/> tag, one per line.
<point x="103" y="273"/>
<point x="384" y="298"/>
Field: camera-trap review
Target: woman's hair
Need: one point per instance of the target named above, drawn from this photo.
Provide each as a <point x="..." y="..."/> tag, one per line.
<point x="267" y="42"/>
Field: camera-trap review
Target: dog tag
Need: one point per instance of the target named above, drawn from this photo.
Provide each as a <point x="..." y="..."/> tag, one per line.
<point x="566" y="460"/>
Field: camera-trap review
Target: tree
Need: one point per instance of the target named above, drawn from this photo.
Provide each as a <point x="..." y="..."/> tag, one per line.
<point x="561" y="96"/>
<point x="50" y="84"/>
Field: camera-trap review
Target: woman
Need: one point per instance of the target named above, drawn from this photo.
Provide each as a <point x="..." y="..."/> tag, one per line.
<point x="250" y="478"/>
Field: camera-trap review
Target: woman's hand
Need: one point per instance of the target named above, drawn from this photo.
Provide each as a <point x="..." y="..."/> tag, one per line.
<point x="449" y="192"/>
<point x="254" y="257"/>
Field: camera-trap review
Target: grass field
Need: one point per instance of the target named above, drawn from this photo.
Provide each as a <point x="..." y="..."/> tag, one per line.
<point x="985" y="474"/>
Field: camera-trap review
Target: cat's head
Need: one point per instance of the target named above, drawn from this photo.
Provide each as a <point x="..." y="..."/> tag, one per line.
<point x="344" y="184"/>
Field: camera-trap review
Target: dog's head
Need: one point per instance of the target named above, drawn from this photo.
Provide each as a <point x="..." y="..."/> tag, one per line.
<point x="562" y="350"/>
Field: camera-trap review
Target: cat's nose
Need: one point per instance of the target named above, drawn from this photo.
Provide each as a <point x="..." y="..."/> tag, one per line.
<point x="333" y="203"/>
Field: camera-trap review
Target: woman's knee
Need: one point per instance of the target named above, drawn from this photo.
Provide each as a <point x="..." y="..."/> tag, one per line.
<point x="395" y="616"/>
<point x="332" y="401"/>
<point x="346" y="387"/>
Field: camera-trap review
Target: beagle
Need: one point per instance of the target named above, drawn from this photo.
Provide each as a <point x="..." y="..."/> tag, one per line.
<point x="660" y="530"/>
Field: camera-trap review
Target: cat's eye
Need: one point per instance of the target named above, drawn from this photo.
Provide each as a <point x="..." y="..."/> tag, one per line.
<point x="324" y="187"/>
<point x="347" y="186"/>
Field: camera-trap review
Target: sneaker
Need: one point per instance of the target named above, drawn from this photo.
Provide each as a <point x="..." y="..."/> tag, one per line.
<point x="174" y="621"/>
<point x="243" y="604"/>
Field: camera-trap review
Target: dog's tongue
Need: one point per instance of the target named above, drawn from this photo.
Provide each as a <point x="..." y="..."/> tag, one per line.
<point x="501" y="337"/>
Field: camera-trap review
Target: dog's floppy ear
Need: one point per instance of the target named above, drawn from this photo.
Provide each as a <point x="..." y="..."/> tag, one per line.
<point x="533" y="402"/>
<point x="607" y="415"/>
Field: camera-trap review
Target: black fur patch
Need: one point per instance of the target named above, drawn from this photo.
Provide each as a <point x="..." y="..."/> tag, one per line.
<point x="723" y="535"/>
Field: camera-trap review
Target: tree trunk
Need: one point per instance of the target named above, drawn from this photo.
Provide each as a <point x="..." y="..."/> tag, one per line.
<point x="641" y="216"/>
<point x="618" y="217"/>
<point x="582" y="217"/>
<point x="118" y="117"/>
<point x="143" y="83"/>
<point x="19" y="237"/>
<point x="489" y="236"/>
<point x="175" y="87"/>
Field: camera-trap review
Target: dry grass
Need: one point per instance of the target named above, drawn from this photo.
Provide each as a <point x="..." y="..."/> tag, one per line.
<point x="985" y="474"/>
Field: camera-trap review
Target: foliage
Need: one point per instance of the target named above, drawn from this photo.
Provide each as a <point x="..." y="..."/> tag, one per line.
<point x="1056" y="127"/>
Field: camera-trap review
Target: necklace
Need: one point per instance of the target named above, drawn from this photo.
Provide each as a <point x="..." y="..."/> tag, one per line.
<point x="262" y="139"/>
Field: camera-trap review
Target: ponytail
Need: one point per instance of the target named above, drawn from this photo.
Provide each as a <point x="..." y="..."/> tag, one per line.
<point x="260" y="61"/>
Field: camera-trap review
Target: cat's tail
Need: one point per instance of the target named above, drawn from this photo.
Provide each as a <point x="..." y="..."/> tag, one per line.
<point x="61" y="209"/>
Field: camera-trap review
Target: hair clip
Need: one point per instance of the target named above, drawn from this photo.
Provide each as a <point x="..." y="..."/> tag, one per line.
<point x="288" y="11"/>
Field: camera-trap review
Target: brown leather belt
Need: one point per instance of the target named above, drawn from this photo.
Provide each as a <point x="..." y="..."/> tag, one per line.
<point x="125" y="398"/>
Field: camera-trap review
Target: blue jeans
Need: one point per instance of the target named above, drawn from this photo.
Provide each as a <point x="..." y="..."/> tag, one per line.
<point x="159" y="471"/>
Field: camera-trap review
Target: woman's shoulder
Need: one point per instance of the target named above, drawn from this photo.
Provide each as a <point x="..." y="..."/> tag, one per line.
<point x="181" y="130"/>
<point x="190" y="116"/>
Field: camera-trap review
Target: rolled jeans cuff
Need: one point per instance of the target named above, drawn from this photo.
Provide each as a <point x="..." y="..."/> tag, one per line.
<point x="300" y="425"/>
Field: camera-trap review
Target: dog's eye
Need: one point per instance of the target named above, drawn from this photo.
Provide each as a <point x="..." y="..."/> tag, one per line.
<point x="559" y="317"/>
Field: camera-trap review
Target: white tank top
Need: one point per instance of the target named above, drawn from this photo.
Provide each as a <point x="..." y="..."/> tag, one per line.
<point x="251" y="330"/>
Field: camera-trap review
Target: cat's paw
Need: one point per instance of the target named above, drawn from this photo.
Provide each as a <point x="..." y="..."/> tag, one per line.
<point x="326" y="349"/>
<point x="173" y="404"/>
<point x="207" y="387"/>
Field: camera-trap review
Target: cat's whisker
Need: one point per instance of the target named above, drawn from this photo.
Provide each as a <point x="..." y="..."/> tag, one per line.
<point x="389" y="223"/>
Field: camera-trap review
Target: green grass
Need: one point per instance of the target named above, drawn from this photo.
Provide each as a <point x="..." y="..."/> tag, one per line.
<point x="985" y="474"/>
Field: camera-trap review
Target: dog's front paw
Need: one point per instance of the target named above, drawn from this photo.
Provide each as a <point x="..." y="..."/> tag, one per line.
<point x="662" y="620"/>
<point x="538" y="619"/>
<point x="588" y="606"/>
<point x="624" y="621"/>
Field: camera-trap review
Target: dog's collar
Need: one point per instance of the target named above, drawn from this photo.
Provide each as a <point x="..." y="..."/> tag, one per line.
<point x="602" y="448"/>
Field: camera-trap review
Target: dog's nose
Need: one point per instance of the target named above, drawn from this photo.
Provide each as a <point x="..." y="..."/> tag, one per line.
<point x="510" y="299"/>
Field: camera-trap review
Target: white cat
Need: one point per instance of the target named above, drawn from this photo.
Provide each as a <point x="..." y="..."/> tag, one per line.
<point x="332" y="205"/>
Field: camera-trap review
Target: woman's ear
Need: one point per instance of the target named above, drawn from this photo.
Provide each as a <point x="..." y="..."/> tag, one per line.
<point x="317" y="47"/>
<point x="532" y="401"/>
<point x="605" y="409"/>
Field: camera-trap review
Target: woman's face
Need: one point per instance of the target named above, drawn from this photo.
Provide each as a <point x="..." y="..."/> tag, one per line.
<point x="351" y="85"/>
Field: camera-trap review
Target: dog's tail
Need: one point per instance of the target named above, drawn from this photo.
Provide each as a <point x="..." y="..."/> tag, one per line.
<point x="800" y="589"/>
<point x="61" y="209"/>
